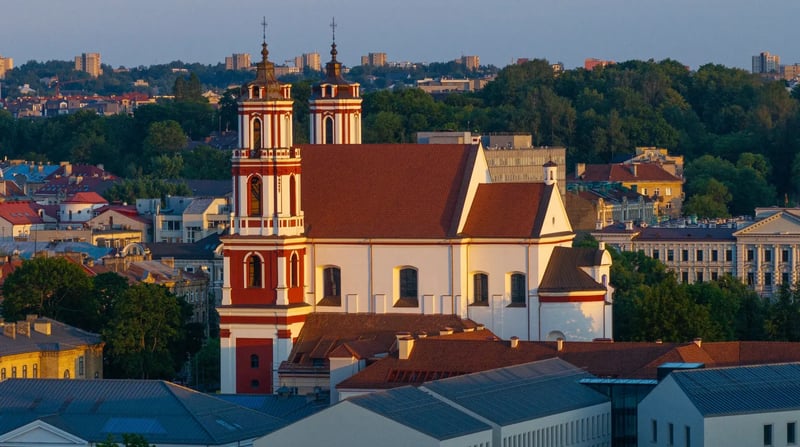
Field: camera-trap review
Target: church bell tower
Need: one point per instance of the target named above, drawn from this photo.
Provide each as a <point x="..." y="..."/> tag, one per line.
<point x="263" y="304"/>
<point x="335" y="105"/>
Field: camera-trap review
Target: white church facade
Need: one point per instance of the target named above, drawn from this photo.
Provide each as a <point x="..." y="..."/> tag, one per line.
<point x="340" y="226"/>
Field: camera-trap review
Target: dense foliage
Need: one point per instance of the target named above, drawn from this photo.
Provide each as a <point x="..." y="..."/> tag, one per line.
<point x="145" y="328"/>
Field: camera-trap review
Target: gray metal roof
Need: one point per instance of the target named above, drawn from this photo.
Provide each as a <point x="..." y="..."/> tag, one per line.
<point x="420" y="411"/>
<point x="164" y="413"/>
<point x="62" y="337"/>
<point x="519" y="393"/>
<point x="741" y="390"/>
<point x="289" y="408"/>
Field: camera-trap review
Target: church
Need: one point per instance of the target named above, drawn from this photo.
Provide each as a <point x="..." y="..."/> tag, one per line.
<point x="343" y="227"/>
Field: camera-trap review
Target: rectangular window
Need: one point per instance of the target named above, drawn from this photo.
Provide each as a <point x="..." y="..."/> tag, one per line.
<point x="684" y="255"/>
<point x="670" y="255"/>
<point x="750" y="278"/>
<point x="667" y="191"/>
<point x="654" y="430"/>
<point x="685" y="276"/>
<point x="670" y="434"/>
<point x="750" y="255"/>
<point x="644" y="191"/>
<point x="767" y="434"/>
<point x="714" y="255"/>
<point x="714" y="276"/>
<point x="699" y="255"/>
<point x="481" y="288"/>
<point x="656" y="253"/>
<point x="767" y="279"/>
<point x="729" y="255"/>
<point x="699" y="277"/>
<point x="791" y="435"/>
<point x="767" y="255"/>
<point x="785" y="256"/>
<point x="785" y="278"/>
<point x="687" y="431"/>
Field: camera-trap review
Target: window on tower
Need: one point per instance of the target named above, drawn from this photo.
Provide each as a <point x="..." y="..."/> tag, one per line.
<point x="256" y="135"/>
<point x="294" y="271"/>
<point x="254" y="271"/>
<point x="255" y="196"/>
<point x="292" y="196"/>
<point x="328" y="130"/>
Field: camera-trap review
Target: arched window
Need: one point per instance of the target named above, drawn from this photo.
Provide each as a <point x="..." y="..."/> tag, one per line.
<point x="294" y="271"/>
<point x="254" y="271"/>
<point x="3" y="374"/>
<point x="255" y="196"/>
<point x="480" y="288"/>
<point x="24" y="371"/>
<point x="254" y="361"/>
<point x="13" y="372"/>
<point x="332" y="282"/>
<point x="292" y="196"/>
<point x="328" y="130"/>
<point x="408" y="283"/>
<point x="256" y="143"/>
<point x="35" y="371"/>
<point x="66" y="374"/>
<point x="518" y="289"/>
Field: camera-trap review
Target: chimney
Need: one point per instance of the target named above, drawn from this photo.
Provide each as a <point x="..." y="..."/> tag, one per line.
<point x="514" y="342"/>
<point x="629" y="225"/>
<point x="480" y="327"/>
<point x="634" y="169"/>
<point x="560" y="344"/>
<point x="42" y="326"/>
<point x="601" y="245"/>
<point x="24" y="328"/>
<point x="401" y="335"/>
<point x="580" y="169"/>
<point x="10" y="330"/>
<point x="422" y="334"/>
<point x="698" y="341"/>
<point x="404" y="347"/>
<point x="447" y="330"/>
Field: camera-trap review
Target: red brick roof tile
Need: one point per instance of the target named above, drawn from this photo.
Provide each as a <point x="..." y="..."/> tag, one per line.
<point x="645" y="172"/>
<point x="507" y="210"/>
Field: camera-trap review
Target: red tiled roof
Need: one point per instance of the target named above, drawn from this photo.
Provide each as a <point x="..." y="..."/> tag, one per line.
<point x="507" y="210"/>
<point x="384" y="190"/>
<point x="86" y="197"/>
<point x="645" y="172"/>
<point x="20" y="213"/>
<point x="564" y="273"/>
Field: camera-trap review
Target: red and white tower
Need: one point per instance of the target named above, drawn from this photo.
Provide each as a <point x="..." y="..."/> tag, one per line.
<point x="335" y="106"/>
<point x="265" y="254"/>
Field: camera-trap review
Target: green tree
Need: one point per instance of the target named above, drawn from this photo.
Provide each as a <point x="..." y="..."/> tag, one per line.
<point x="164" y="137"/>
<point x="145" y="188"/>
<point x="128" y="440"/>
<point x="50" y="287"/>
<point x="206" y="162"/>
<point x="145" y="323"/>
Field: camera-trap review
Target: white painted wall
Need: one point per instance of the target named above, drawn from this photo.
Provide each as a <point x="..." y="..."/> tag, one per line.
<point x="668" y="404"/>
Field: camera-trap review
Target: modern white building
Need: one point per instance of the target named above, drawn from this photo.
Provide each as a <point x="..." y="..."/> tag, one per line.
<point x="538" y="403"/>
<point x="742" y="406"/>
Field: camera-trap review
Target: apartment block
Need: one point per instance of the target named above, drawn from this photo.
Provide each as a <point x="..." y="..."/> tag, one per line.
<point x="237" y="61"/>
<point x="90" y="63"/>
<point x="374" y="59"/>
<point x="766" y="63"/>
<point x="6" y="64"/>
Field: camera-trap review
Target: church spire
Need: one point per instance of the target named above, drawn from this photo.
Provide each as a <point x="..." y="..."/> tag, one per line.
<point x="265" y="71"/>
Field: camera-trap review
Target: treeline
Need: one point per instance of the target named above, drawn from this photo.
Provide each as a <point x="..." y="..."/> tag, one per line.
<point x="650" y="304"/>
<point x="147" y="330"/>
<point x="718" y="112"/>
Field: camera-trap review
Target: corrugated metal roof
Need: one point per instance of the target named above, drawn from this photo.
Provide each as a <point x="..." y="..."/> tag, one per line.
<point x="164" y="413"/>
<point x="420" y="411"/>
<point x="518" y="393"/>
<point x="740" y="390"/>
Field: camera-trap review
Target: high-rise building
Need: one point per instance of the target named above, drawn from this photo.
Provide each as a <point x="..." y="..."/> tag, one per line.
<point x="374" y="59"/>
<point x="592" y="63"/>
<point x="90" y="63"/>
<point x="470" y="62"/>
<point x="237" y="61"/>
<point x="766" y="63"/>
<point x="311" y="61"/>
<point x="6" y="64"/>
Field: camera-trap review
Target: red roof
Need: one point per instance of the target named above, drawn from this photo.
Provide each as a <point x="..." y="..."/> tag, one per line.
<point x="385" y="190"/>
<point x="507" y="210"/>
<point x="645" y="172"/>
<point x="20" y="213"/>
<point x="86" y="197"/>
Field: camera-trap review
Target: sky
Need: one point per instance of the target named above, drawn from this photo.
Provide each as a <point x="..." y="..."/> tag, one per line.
<point x="146" y="32"/>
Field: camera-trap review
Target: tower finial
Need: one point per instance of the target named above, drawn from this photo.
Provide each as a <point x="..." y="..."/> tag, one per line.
<point x="333" y="44"/>
<point x="264" y="51"/>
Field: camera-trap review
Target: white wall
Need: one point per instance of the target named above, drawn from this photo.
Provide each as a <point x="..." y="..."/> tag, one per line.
<point x="590" y="426"/>
<point x="668" y="404"/>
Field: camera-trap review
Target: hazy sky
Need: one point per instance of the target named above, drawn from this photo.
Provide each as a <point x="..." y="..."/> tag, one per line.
<point x="146" y="32"/>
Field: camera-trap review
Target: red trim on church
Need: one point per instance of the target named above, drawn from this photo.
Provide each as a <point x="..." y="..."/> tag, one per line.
<point x="571" y="299"/>
<point x="262" y="319"/>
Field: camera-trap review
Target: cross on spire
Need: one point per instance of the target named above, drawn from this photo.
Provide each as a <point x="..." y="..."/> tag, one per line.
<point x="333" y="28"/>
<point x="264" y="26"/>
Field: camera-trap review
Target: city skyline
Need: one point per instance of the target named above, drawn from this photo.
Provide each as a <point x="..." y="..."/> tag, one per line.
<point x="148" y="32"/>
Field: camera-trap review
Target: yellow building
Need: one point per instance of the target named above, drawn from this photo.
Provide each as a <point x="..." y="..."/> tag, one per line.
<point x="648" y="179"/>
<point x="45" y="348"/>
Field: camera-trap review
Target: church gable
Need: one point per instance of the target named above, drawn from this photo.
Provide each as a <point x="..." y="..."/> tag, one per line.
<point x="506" y="210"/>
<point x="40" y="433"/>
<point x="781" y="223"/>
